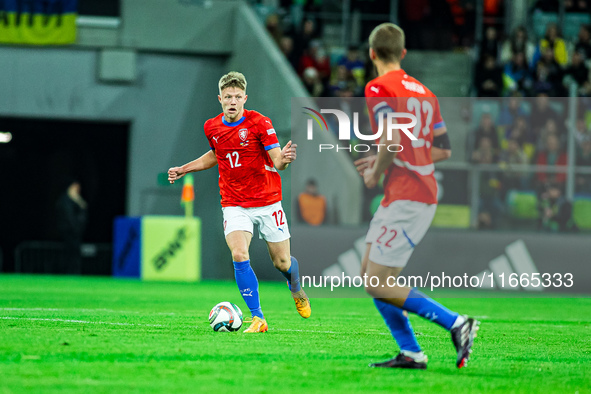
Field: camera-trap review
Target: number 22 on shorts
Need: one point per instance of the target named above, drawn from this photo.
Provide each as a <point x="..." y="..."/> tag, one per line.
<point x="388" y="235"/>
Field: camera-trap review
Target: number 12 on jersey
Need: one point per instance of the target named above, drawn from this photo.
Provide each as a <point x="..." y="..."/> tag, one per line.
<point x="233" y="164"/>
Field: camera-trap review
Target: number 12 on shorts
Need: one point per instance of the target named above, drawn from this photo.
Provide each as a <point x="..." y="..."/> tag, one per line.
<point x="278" y="215"/>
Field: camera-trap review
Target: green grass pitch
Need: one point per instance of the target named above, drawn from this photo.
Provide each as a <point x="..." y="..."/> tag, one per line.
<point x="69" y="334"/>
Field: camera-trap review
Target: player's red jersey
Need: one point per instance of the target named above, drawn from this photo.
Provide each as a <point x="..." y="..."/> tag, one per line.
<point x="410" y="176"/>
<point x="247" y="176"/>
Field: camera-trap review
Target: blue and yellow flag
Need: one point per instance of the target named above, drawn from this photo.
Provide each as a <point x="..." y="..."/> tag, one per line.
<point x="38" y="22"/>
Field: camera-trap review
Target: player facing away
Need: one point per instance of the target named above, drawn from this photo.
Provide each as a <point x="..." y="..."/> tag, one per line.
<point x="410" y="200"/>
<point x="245" y="147"/>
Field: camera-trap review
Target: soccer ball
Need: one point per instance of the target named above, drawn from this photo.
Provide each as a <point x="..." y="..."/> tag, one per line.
<point x="226" y="317"/>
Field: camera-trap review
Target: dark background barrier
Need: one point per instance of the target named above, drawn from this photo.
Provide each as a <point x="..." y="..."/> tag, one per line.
<point x="333" y="250"/>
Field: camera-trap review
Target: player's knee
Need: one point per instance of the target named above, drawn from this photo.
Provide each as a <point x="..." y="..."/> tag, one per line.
<point x="282" y="263"/>
<point x="240" y="255"/>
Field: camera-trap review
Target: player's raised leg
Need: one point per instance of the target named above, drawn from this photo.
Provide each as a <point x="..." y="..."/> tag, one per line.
<point x="289" y="268"/>
<point x="248" y="284"/>
<point x="411" y="355"/>
<point x="463" y="329"/>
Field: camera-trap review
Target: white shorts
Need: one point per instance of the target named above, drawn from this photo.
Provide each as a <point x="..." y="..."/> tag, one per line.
<point x="395" y="230"/>
<point x="270" y="219"/>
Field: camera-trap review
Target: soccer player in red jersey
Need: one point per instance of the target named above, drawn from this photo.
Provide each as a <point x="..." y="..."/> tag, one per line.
<point x="245" y="147"/>
<point x="410" y="199"/>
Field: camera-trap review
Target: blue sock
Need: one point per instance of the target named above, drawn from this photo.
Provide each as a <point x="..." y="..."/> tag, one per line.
<point x="426" y="307"/>
<point x="399" y="326"/>
<point x="293" y="275"/>
<point x="248" y="285"/>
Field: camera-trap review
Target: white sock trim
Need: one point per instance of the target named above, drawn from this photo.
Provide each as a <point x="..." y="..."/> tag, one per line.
<point x="459" y="321"/>
<point x="417" y="356"/>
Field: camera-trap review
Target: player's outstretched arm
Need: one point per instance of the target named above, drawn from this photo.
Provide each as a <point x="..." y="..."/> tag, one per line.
<point x="441" y="149"/>
<point x="283" y="157"/>
<point x="205" y="162"/>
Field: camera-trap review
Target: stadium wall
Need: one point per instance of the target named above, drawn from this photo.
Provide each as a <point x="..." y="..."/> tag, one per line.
<point x="163" y="106"/>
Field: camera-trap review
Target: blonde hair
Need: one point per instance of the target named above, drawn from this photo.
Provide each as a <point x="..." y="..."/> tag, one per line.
<point x="232" y="79"/>
<point x="387" y="41"/>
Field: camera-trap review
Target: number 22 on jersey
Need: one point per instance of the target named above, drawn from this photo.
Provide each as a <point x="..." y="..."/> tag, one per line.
<point x="419" y="108"/>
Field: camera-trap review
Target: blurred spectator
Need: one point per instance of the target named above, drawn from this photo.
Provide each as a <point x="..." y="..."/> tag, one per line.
<point x="342" y="79"/>
<point x="583" y="45"/>
<point x="312" y="205"/>
<point x="484" y="153"/>
<point x="486" y="129"/>
<point x="516" y="75"/>
<point x="553" y="41"/>
<point x="71" y="221"/>
<point x="552" y="155"/>
<point x="580" y="6"/>
<point x="288" y="51"/>
<point x="548" y="75"/>
<point x="579" y="72"/>
<point x="511" y="109"/>
<point x="513" y="155"/>
<point x="490" y="45"/>
<point x="489" y="204"/>
<point x="518" y="42"/>
<point x="540" y="113"/>
<point x="302" y="39"/>
<point x="464" y="15"/>
<point x="582" y="132"/>
<point x="370" y="72"/>
<point x="317" y="58"/>
<point x="489" y="78"/>
<point x="353" y="63"/>
<point x="583" y="181"/>
<point x="312" y="82"/>
<point x="518" y="130"/>
<point x="274" y="28"/>
<point x="555" y="210"/>
<point x="550" y="128"/>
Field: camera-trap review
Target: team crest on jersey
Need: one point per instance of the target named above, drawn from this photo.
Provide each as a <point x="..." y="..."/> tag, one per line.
<point x="243" y="134"/>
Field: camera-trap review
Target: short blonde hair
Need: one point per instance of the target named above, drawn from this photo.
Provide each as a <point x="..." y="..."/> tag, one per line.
<point x="387" y="41"/>
<point x="232" y="79"/>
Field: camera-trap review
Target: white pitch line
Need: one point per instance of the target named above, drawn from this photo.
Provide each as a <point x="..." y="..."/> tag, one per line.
<point x="80" y="310"/>
<point x="79" y="321"/>
<point x="319" y="332"/>
<point x="29" y="309"/>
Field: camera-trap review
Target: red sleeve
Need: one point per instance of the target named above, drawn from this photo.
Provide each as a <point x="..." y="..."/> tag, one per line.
<point x="267" y="134"/>
<point x="207" y="130"/>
